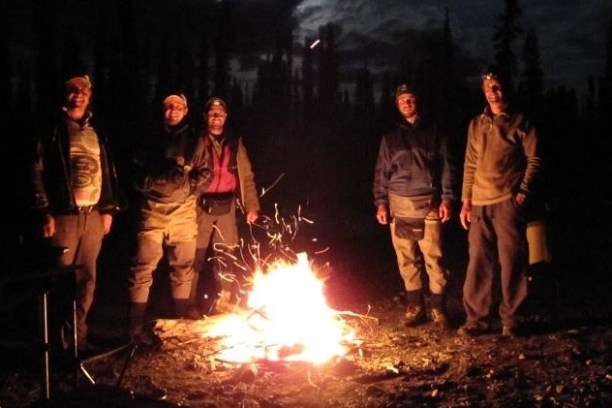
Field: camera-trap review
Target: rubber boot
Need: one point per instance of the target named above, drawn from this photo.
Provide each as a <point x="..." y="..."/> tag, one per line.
<point x="438" y="309"/>
<point x="438" y="301"/>
<point x="223" y="304"/>
<point x="137" y="320"/>
<point x="180" y="307"/>
<point x="415" y="312"/>
<point x="414" y="297"/>
<point x="198" y="268"/>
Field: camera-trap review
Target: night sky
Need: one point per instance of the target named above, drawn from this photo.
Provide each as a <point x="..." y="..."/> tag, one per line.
<point x="571" y="34"/>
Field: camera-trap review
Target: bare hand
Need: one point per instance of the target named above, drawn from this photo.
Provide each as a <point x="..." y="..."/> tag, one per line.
<point x="520" y="199"/>
<point x="252" y="216"/>
<point x="445" y="210"/>
<point x="107" y="222"/>
<point x="48" y="228"/>
<point x="464" y="215"/>
<point x="382" y="215"/>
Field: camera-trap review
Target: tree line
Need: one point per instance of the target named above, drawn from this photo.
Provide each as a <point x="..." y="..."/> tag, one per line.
<point x="299" y="122"/>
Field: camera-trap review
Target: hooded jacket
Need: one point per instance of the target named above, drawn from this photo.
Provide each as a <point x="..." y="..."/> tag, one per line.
<point x="413" y="161"/>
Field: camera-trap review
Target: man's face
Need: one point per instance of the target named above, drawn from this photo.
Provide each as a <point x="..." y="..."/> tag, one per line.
<point x="407" y="105"/>
<point x="493" y="91"/>
<point x="174" y="112"/>
<point x="215" y="118"/>
<point x="78" y="97"/>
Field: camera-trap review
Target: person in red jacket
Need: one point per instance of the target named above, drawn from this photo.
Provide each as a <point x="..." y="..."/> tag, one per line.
<point x="233" y="181"/>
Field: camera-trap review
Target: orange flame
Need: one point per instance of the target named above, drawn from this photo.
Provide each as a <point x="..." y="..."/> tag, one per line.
<point x="288" y="319"/>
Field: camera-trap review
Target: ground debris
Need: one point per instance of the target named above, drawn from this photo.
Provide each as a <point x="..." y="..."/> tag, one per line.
<point x="392" y="367"/>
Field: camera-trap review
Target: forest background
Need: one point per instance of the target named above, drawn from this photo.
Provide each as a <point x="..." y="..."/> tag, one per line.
<point x="311" y="126"/>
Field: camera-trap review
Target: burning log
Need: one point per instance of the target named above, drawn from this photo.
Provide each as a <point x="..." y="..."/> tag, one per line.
<point x="287" y="319"/>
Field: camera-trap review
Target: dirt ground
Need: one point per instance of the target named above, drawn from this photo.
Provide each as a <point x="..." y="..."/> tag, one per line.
<point x="561" y="359"/>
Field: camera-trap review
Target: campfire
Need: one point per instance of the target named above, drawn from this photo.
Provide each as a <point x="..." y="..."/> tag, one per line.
<point x="287" y="319"/>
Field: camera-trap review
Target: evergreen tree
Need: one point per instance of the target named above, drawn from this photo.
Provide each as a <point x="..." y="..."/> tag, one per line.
<point x="388" y="111"/>
<point x="328" y="73"/>
<point x="605" y="88"/>
<point x="307" y="74"/>
<point x="531" y="88"/>
<point x="506" y="32"/>
<point x="364" y="93"/>
<point x="447" y="75"/>
<point x="203" y="73"/>
<point x="47" y="76"/>
<point x="185" y="68"/>
<point x="6" y="94"/>
<point x="222" y="47"/>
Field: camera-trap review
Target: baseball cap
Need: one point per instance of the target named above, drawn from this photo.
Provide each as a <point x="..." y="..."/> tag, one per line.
<point x="215" y="101"/>
<point x="175" y="98"/>
<point x="404" y="89"/>
<point x="79" y="81"/>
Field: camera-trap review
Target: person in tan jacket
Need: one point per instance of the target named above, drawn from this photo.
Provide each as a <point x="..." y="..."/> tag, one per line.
<point x="500" y="169"/>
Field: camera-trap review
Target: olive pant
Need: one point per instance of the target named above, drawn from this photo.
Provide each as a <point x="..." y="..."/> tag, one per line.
<point x="173" y="226"/>
<point x="415" y="257"/>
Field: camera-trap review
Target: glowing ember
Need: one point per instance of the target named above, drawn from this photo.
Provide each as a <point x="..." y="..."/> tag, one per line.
<point x="288" y="319"/>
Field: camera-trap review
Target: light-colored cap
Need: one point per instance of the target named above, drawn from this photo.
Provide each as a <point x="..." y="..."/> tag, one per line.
<point x="175" y="98"/>
<point x="80" y="81"/>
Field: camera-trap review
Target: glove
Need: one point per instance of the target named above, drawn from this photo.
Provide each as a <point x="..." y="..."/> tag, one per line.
<point x="176" y="174"/>
<point x="200" y="176"/>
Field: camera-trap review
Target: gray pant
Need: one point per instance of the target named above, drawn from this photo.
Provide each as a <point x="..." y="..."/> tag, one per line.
<point x="220" y="231"/>
<point x="496" y="240"/>
<point x="82" y="235"/>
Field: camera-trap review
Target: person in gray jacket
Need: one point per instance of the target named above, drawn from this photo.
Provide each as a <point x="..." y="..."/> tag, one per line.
<point x="413" y="193"/>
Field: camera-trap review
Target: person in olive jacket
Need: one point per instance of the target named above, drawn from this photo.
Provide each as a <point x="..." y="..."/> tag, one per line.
<point x="167" y="170"/>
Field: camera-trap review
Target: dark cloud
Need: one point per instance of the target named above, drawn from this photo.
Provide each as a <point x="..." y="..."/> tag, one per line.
<point x="571" y="34"/>
<point x="373" y="33"/>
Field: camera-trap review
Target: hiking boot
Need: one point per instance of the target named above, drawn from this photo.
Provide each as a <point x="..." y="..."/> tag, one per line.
<point x="143" y="336"/>
<point x="414" y="315"/>
<point x="439" y="317"/>
<point x="472" y="330"/>
<point x="509" y="332"/>
<point x="193" y="313"/>
<point x="87" y="350"/>
<point x="84" y="346"/>
<point x="223" y="303"/>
